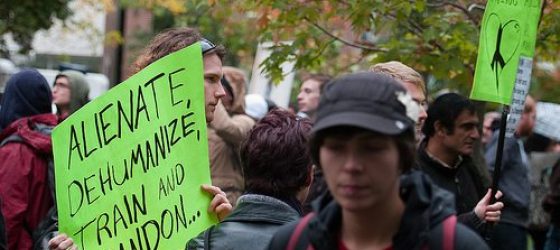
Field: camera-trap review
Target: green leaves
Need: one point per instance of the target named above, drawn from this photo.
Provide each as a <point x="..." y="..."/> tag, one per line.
<point x="22" y="18"/>
<point x="438" y="38"/>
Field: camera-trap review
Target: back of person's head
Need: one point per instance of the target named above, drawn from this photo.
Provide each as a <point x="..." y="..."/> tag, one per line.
<point x="538" y="143"/>
<point x="275" y="157"/>
<point x="526" y="123"/>
<point x="320" y="78"/>
<point x="79" y="88"/>
<point x="445" y="109"/>
<point x="169" y="41"/>
<point x="366" y="102"/>
<point x="495" y="126"/>
<point x="27" y="93"/>
<point x="236" y="80"/>
<point x="400" y="72"/>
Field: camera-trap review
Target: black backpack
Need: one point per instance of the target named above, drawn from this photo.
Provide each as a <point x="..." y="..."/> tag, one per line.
<point x="48" y="227"/>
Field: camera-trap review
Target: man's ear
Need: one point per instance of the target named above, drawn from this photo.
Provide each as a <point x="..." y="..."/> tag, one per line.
<point x="439" y="128"/>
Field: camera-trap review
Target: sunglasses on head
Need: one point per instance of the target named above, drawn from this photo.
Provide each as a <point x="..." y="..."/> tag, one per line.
<point x="206" y="45"/>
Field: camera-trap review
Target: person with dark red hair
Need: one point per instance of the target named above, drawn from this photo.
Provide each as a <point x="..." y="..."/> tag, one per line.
<point x="277" y="172"/>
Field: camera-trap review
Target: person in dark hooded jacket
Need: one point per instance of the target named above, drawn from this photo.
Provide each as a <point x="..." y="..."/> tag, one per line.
<point x="25" y="147"/>
<point x="70" y="92"/>
<point x="363" y="140"/>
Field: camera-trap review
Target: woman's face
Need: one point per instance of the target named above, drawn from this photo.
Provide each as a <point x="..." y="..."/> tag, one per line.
<point x="361" y="169"/>
<point x="61" y="92"/>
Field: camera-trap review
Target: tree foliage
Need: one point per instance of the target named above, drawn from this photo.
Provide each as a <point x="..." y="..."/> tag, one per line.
<point x="22" y="18"/>
<point x="436" y="37"/>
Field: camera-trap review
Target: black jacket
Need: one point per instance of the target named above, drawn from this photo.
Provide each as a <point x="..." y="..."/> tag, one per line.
<point x="461" y="181"/>
<point x="251" y="225"/>
<point x="551" y="203"/>
<point x="426" y="207"/>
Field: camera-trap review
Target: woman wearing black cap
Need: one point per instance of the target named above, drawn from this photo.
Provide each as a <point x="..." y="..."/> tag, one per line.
<point x="363" y="140"/>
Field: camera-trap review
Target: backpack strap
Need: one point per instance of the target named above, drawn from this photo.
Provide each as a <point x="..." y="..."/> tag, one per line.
<point x="294" y="238"/>
<point x="11" y="138"/>
<point x="449" y="227"/>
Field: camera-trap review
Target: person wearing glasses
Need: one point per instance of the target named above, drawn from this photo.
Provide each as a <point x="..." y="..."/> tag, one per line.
<point x="165" y="43"/>
<point x="70" y="92"/>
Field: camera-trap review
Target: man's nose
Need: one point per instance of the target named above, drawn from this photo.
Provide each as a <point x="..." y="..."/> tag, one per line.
<point x="423" y="114"/>
<point x="220" y="92"/>
<point x="475" y="134"/>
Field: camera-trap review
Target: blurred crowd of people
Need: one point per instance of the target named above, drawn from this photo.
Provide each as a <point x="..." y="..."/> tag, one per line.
<point x="366" y="162"/>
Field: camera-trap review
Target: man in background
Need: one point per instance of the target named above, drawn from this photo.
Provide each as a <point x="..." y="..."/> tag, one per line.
<point x="511" y="232"/>
<point x="310" y="93"/>
<point x="414" y="84"/>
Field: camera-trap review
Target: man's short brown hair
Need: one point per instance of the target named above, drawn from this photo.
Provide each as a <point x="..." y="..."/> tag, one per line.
<point x="169" y="41"/>
<point x="320" y="78"/>
<point x="400" y="72"/>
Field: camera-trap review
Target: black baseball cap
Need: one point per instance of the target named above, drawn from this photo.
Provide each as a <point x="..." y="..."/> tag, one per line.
<point x="367" y="100"/>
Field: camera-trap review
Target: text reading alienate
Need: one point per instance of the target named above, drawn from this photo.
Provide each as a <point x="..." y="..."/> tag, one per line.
<point x="140" y="109"/>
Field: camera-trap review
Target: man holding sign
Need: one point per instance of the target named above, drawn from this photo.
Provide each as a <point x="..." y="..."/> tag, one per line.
<point x="503" y="75"/>
<point x="159" y="115"/>
<point x="511" y="232"/>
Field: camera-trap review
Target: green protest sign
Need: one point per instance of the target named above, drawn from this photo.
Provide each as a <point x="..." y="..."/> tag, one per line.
<point x="129" y="165"/>
<point x="508" y="32"/>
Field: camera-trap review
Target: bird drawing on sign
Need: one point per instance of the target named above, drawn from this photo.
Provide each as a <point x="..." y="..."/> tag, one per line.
<point x="504" y="38"/>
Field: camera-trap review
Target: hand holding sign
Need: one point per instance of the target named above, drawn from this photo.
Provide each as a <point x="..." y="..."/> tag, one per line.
<point x="220" y="204"/>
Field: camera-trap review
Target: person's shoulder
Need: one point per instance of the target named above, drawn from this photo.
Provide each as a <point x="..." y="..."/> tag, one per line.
<point x="16" y="147"/>
<point x="280" y="239"/>
<point x="196" y="243"/>
<point x="466" y="239"/>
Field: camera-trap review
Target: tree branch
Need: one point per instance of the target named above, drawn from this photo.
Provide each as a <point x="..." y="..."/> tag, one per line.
<point x="345" y="3"/>
<point x="456" y="6"/>
<point x="465" y="11"/>
<point x="417" y="30"/>
<point x="351" y="44"/>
